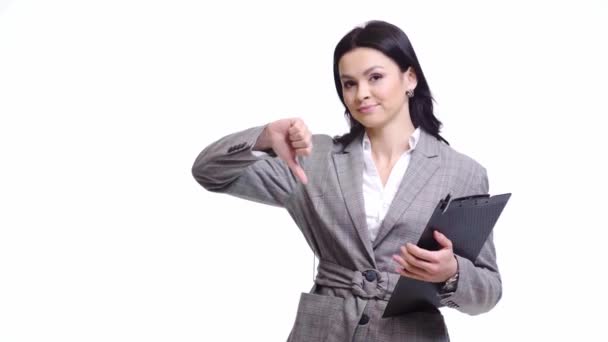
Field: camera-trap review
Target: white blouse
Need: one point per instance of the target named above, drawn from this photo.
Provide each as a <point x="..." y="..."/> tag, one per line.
<point x="377" y="198"/>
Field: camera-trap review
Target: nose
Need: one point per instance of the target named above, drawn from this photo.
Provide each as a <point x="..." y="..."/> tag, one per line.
<point x="362" y="92"/>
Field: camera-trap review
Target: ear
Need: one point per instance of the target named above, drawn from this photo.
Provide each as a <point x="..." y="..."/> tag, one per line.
<point x="409" y="79"/>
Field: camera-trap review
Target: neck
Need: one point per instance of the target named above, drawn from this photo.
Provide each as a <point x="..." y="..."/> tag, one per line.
<point x="392" y="140"/>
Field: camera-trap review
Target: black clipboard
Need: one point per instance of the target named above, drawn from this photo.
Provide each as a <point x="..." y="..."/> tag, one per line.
<point x="467" y="222"/>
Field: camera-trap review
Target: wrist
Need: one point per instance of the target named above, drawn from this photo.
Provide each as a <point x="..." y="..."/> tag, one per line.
<point x="450" y="284"/>
<point x="264" y="142"/>
<point x="454" y="269"/>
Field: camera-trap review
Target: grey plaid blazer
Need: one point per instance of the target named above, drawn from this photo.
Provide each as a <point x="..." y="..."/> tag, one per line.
<point x="355" y="275"/>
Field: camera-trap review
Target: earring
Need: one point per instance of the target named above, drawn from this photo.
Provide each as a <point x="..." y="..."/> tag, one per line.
<point x="410" y="93"/>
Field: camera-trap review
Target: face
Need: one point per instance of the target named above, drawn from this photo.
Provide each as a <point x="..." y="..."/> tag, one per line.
<point x="374" y="87"/>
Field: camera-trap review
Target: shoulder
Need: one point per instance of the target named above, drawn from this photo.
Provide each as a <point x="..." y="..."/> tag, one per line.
<point x="458" y="159"/>
<point x="468" y="175"/>
<point x="459" y="170"/>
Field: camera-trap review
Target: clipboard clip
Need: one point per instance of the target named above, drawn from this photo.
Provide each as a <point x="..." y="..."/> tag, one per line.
<point x="445" y="203"/>
<point x="471" y="197"/>
<point x="474" y="198"/>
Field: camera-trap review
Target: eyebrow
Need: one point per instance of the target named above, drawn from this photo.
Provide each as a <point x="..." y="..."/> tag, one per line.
<point x="367" y="71"/>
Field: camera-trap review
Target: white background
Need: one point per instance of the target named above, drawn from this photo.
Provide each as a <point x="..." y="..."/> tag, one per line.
<point x="105" y="235"/>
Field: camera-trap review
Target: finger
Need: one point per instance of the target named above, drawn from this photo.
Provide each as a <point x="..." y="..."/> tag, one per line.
<point x="296" y="126"/>
<point x="297" y="170"/>
<point x="423" y="265"/>
<point x="443" y="240"/>
<point x="300" y="144"/>
<point x="421" y="253"/>
<point x="407" y="266"/>
<point x="294" y="121"/>
<point x="296" y="135"/>
<point x="300" y="134"/>
<point x="408" y="274"/>
<point x="399" y="260"/>
<point x="297" y="129"/>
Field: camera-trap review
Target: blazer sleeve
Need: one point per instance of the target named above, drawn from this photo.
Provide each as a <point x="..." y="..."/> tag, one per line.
<point x="229" y="166"/>
<point x="479" y="285"/>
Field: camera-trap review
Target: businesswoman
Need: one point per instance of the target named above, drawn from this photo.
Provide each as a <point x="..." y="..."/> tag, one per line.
<point x="362" y="199"/>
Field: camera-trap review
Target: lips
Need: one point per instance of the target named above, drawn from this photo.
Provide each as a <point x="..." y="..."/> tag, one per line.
<point x="367" y="109"/>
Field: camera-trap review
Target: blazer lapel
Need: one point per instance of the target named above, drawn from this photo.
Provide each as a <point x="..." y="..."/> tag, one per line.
<point x="423" y="164"/>
<point x="349" y="169"/>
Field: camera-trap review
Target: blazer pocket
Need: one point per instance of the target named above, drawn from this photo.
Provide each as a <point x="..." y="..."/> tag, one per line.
<point x="315" y="317"/>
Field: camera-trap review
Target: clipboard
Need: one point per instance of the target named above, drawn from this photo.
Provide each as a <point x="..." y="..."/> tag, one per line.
<point x="467" y="222"/>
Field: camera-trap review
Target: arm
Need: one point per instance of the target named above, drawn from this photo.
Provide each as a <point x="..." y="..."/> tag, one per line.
<point x="230" y="166"/>
<point x="479" y="286"/>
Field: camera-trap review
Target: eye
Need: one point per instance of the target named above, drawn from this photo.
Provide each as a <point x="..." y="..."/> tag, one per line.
<point x="375" y="77"/>
<point x="348" y="84"/>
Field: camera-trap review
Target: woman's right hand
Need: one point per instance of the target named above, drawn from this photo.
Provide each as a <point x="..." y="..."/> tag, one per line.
<point x="288" y="138"/>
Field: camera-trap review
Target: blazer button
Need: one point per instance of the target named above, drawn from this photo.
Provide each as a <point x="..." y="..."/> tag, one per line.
<point x="370" y="275"/>
<point x="364" y="319"/>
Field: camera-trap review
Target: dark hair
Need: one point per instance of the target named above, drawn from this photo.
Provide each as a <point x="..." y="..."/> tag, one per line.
<point x="394" y="43"/>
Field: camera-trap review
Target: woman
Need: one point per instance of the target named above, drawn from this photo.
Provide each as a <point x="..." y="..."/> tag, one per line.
<point x="362" y="200"/>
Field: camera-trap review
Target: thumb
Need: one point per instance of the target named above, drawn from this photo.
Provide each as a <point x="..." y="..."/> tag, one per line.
<point x="297" y="170"/>
<point x="443" y="240"/>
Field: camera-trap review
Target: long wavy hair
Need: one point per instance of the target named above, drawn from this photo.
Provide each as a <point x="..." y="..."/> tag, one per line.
<point x="394" y="43"/>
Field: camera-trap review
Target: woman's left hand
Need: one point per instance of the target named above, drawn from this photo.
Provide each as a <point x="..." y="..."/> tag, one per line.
<point x="432" y="266"/>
